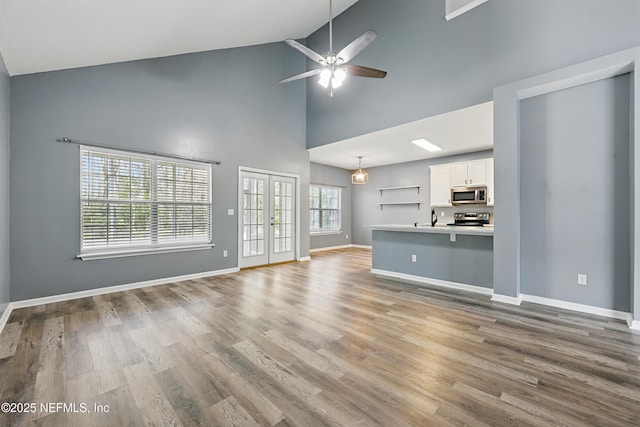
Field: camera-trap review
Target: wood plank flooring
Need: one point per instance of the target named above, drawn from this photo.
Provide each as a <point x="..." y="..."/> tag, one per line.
<point x="320" y="343"/>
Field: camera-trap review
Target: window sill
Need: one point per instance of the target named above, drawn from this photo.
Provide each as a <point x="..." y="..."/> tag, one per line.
<point x="324" y="233"/>
<point x="89" y="256"/>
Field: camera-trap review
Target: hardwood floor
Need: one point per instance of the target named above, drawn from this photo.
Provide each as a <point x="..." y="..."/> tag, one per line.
<point x="312" y="344"/>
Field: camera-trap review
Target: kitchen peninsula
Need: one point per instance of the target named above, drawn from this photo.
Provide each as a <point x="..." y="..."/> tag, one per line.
<point x="450" y="256"/>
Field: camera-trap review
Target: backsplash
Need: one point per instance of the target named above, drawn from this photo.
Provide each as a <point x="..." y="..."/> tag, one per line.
<point x="445" y="214"/>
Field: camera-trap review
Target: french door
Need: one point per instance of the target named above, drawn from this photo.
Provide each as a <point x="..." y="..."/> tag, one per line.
<point x="268" y="219"/>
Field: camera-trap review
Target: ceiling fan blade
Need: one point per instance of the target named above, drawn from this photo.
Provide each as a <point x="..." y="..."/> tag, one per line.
<point x="356" y="46"/>
<point x="302" y="75"/>
<point x="312" y="55"/>
<point x="359" y="71"/>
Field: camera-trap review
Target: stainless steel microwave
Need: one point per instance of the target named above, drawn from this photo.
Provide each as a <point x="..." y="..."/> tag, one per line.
<point x="469" y="195"/>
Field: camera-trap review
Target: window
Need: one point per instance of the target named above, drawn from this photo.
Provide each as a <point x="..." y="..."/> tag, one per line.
<point x="132" y="202"/>
<point x="324" y="203"/>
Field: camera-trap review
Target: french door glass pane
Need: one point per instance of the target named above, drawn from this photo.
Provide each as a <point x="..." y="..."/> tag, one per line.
<point x="283" y="214"/>
<point x="253" y="216"/>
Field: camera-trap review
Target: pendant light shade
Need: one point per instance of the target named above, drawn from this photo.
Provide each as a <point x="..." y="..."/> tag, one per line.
<point x="359" y="176"/>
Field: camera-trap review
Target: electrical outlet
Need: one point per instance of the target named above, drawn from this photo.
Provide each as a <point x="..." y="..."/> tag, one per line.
<point x="225" y="254"/>
<point x="346" y="236"/>
<point x="230" y="212"/>
<point x="582" y="279"/>
<point x="442" y="213"/>
<point x="452" y="237"/>
<point x="414" y="258"/>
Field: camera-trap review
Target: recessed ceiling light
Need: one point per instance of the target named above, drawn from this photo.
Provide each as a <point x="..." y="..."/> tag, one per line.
<point x="427" y="145"/>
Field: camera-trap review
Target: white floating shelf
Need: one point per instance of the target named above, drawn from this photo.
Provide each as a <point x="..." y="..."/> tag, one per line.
<point x="399" y="204"/>
<point x="404" y="187"/>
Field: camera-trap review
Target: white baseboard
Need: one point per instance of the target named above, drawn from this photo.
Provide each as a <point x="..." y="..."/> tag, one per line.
<point x="433" y="282"/>
<point x="633" y="324"/>
<point x="582" y="308"/>
<point x="507" y="299"/>
<point x="5" y="316"/>
<point x="330" y="248"/>
<point x="304" y="258"/>
<point x="117" y="288"/>
<point x="588" y="309"/>
<point x="361" y="246"/>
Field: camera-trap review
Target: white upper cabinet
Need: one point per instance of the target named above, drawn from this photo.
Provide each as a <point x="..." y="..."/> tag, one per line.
<point x="476" y="172"/>
<point x="440" y="183"/>
<point x="470" y="173"/>
<point x="459" y="175"/>
<point x="446" y="176"/>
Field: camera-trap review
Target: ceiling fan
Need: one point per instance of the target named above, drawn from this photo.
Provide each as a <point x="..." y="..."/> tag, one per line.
<point x="334" y="65"/>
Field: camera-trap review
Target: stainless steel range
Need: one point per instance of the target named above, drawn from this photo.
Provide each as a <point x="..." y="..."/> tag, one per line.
<point x="471" y="219"/>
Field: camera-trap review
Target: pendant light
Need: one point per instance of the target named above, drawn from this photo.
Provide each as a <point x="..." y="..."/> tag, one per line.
<point x="359" y="176"/>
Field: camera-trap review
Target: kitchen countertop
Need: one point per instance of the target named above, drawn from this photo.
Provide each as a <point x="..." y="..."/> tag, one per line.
<point x="486" y="230"/>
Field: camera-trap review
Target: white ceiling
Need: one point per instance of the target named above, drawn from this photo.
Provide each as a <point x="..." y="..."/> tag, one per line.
<point x="45" y="35"/>
<point x="461" y="131"/>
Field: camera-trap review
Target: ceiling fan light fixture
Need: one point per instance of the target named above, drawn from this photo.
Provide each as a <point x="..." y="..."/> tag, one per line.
<point x="338" y="77"/>
<point x="325" y="78"/>
<point x="335" y="78"/>
<point x="359" y="176"/>
<point x="332" y="77"/>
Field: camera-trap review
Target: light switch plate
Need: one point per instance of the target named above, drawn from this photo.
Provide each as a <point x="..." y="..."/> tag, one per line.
<point x="230" y="212"/>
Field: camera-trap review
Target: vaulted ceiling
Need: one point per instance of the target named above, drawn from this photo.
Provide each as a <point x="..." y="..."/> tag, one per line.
<point x="39" y="35"/>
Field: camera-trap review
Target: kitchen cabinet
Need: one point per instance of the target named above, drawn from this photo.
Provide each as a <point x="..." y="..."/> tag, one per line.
<point x="489" y="181"/>
<point x="469" y="173"/>
<point x="476" y="172"/>
<point x="459" y="175"/>
<point x="463" y="174"/>
<point x="440" y="185"/>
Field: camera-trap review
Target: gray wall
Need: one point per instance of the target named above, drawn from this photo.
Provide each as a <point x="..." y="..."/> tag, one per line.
<point x="225" y="105"/>
<point x="575" y="194"/>
<point x="4" y="187"/>
<point x="437" y="66"/>
<point x="468" y="260"/>
<point x="365" y="199"/>
<point x="328" y="175"/>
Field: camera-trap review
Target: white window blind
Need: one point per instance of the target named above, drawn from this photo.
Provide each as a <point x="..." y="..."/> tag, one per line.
<point x="324" y="213"/>
<point x="131" y="201"/>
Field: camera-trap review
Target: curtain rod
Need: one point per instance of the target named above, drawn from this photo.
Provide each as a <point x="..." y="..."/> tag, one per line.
<point x="153" y="153"/>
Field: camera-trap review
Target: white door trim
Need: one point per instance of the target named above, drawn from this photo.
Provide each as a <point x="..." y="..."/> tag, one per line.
<point x="282" y="255"/>
<point x="239" y="210"/>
